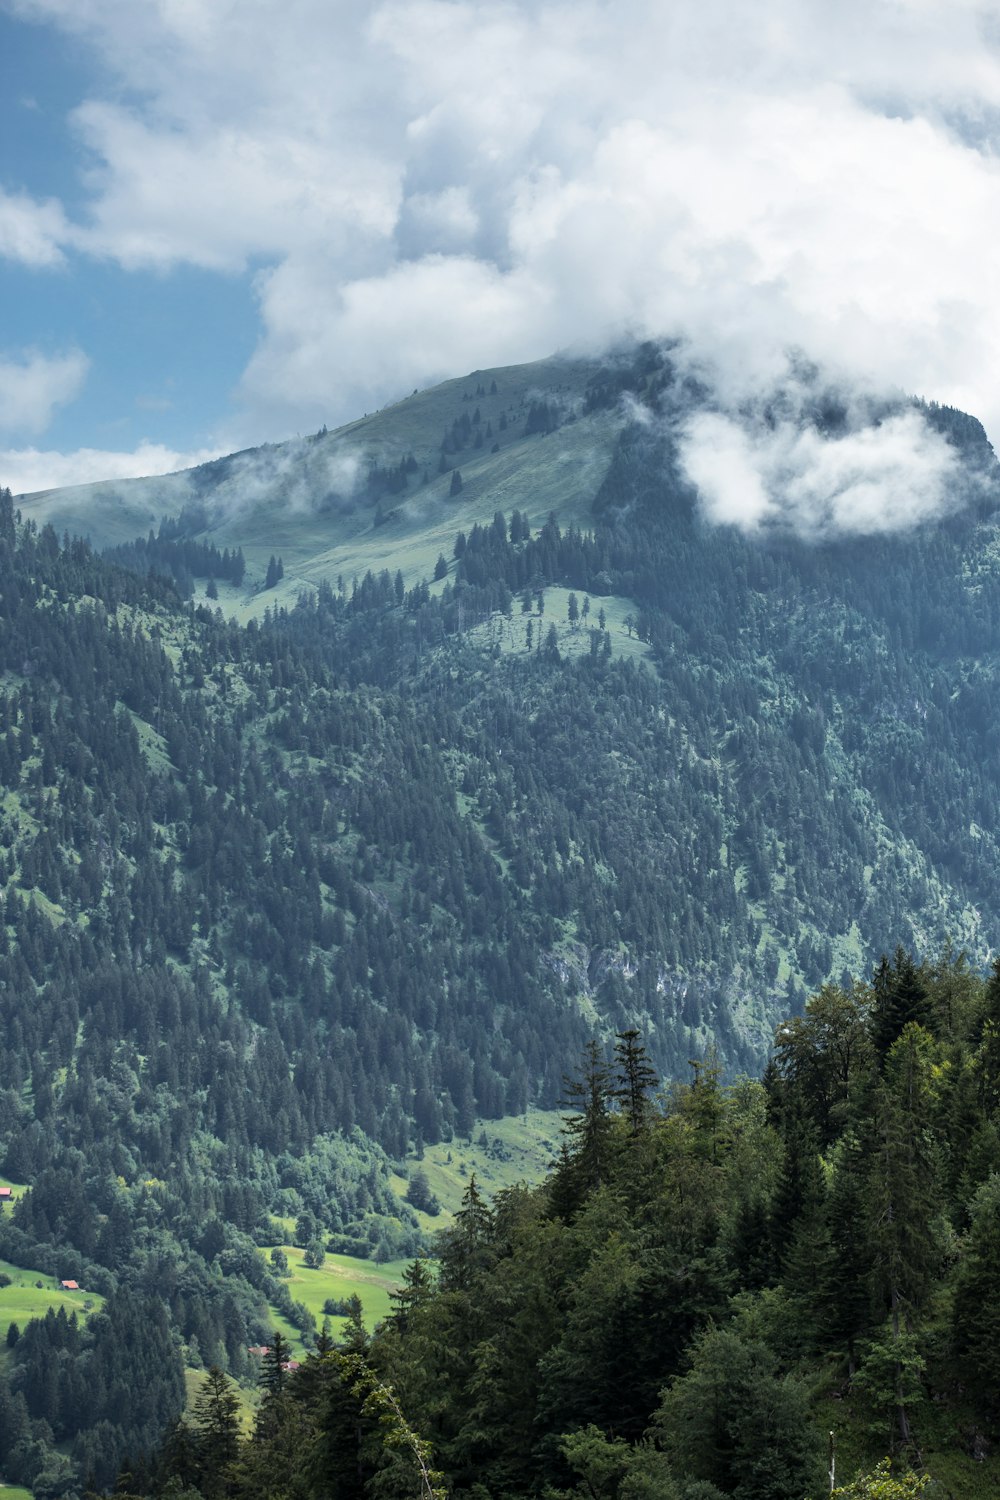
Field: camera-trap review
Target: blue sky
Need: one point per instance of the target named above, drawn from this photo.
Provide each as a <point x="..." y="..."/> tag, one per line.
<point x="225" y="221"/>
<point x="163" y="348"/>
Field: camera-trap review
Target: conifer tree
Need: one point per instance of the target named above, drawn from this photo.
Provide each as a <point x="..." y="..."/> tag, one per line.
<point x="977" y="1299"/>
<point x="589" y="1131"/>
<point x="217" y="1425"/>
<point x="465" y="1250"/>
<point x="900" y="996"/>
<point x="635" y="1079"/>
<point x="273" y="1368"/>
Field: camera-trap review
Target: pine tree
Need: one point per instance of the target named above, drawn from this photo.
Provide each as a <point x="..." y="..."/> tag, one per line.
<point x="977" y="1300"/>
<point x="635" y="1079"/>
<point x="845" y="1289"/>
<point x="900" y="996"/>
<point x="217" y="1424"/>
<point x="415" y="1290"/>
<point x="589" y="1131"/>
<point x="903" y="1196"/>
<point x="465" y="1250"/>
<point x="273" y="1371"/>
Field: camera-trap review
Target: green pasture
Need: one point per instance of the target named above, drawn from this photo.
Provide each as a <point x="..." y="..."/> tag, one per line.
<point x="340" y="1277"/>
<point x="289" y="499"/>
<point x="14" y="1492"/>
<point x="25" y="1299"/>
<point x="539" y="475"/>
<point x="499" y="1153"/>
<point x="275" y="511"/>
<point x="508" y="634"/>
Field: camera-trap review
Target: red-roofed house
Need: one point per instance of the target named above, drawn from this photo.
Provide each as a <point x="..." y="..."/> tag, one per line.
<point x="6" y="1194"/>
<point x="70" y="1286"/>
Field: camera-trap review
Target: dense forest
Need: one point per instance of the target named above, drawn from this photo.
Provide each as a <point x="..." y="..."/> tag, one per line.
<point x="282" y="902"/>
<point x="712" y="1278"/>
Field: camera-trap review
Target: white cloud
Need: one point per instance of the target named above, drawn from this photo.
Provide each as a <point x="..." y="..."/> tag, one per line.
<point x="374" y="339"/>
<point x="33" y="384"/>
<point x="436" y="184"/>
<point x="164" y="198"/>
<point x="25" y="471"/>
<point x="31" y="233"/>
<point x="882" y="477"/>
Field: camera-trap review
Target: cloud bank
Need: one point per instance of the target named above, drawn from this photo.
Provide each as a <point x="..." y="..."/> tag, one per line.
<point x="424" y="186"/>
<point x="885" y="477"/>
<point x="25" y="471"/>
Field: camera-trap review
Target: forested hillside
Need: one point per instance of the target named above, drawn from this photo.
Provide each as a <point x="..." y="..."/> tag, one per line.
<point x="290" y="893"/>
<point x="711" y="1281"/>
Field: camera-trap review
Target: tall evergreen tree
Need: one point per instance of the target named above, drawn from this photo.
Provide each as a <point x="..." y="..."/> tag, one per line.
<point x="635" y="1079"/>
<point x="589" y="1130"/>
<point x="217" y="1425"/>
<point x="900" y="997"/>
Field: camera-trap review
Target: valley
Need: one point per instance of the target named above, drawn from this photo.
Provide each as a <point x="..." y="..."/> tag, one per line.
<point x="314" y="892"/>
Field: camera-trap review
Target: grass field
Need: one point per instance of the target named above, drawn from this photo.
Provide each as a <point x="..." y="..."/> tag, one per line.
<point x="25" y="1298"/>
<point x="500" y="1153"/>
<point x="558" y="473"/>
<point x="509" y="634"/>
<point x="340" y="1277"/>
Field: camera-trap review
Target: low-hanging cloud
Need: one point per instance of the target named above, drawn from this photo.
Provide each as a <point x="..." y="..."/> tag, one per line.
<point x="27" y="471"/>
<point x="888" y="476"/>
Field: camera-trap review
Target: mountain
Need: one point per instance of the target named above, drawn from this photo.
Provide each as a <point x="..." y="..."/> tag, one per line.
<point x="303" y="878"/>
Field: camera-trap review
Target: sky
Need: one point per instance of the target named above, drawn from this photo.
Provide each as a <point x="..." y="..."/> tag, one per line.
<point x="223" y="222"/>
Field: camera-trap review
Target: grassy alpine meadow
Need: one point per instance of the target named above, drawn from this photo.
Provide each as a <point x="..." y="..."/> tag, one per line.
<point x="343" y="1276"/>
<point x="292" y="499"/>
<point x="509" y="634"/>
<point x="499" y="1153"/>
<point x="556" y="472"/>
<point x="32" y="1293"/>
<point x="340" y="1277"/>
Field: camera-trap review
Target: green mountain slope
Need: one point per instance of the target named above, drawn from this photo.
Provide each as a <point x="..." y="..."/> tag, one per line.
<point x="336" y="503"/>
<point x="295" y="885"/>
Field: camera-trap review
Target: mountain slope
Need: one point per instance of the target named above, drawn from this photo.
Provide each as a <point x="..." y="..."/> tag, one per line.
<point x="284" y="899"/>
<point x="337" y="503"/>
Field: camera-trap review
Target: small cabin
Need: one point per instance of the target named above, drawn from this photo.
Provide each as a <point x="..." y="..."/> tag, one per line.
<point x="70" y="1286"/>
<point x="6" y="1194"/>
